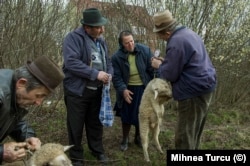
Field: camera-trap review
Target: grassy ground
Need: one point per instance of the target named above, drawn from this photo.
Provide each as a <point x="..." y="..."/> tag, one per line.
<point x="226" y="128"/>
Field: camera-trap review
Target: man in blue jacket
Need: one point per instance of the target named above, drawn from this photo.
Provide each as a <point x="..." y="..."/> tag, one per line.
<point x="188" y="67"/>
<point x="87" y="67"/>
<point x="19" y="89"/>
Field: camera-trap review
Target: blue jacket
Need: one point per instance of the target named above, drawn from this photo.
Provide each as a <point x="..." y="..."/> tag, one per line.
<point x="77" y="59"/>
<point x="11" y="116"/>
<point x="121" y="68"/>
<point x="187" y="65"/>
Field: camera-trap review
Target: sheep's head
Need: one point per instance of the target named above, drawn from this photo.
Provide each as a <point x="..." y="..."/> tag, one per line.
<point x="51" y="154"/>
<point x="162" y="89"/>
<point x="61" y="160"/>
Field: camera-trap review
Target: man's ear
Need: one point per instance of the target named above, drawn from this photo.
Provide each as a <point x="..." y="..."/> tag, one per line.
<point x="167" y="35"/>
<point x="22" y="82"/>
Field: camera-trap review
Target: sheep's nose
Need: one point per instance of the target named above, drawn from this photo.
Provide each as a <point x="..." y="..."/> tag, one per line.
<point x="170" y="94"/>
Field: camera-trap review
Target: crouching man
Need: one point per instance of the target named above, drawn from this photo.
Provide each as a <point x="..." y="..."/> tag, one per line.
<point x="19" y="89"/>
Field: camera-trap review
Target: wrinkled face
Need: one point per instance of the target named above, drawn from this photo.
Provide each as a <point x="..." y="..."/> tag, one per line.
<point x="95" y="32"/>
<point x="128" y="43"/>
<point x="34" y="97"/>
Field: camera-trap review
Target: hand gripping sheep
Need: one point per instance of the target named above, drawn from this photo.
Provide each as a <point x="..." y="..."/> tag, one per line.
<point x="151" y="110"/>
<point x="50" y="154"/>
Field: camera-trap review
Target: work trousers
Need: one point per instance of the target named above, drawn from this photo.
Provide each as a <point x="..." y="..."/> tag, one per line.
<point x="192" y="114"/>
<point x="83" y="111"/>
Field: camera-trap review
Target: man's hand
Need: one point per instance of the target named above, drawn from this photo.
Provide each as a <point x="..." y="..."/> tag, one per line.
<point x="156" y="62"/>
<point x="33" y="143"/>
<point x="13" y="151"/>
<point x="103" y="76"/>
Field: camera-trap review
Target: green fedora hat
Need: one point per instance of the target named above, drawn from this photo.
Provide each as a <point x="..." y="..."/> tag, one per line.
<point x="46" y="71"/>
<point x="93" y="17"/>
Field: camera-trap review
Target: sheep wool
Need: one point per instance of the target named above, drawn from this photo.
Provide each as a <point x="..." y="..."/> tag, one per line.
<point x="51" y="154"/>
<point x="151" y="110"/>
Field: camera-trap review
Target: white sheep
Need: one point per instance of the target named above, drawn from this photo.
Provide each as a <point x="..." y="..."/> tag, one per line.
<point x="50" y="154"/>
<point x="156" y="94"/>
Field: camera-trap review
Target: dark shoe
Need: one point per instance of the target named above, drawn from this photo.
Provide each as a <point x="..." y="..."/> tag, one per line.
<point x="77" y="163"/>
<point x="102" y="158"/>
<point x="124" y="144"/>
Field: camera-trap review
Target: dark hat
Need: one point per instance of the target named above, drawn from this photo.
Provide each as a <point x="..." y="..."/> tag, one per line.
<point x="46" y="71"/>
<point x="163" y="20"/>
<point x="93" y="17"/>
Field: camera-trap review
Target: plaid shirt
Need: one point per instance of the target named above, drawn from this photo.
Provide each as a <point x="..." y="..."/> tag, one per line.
<point x="106" y="113"/>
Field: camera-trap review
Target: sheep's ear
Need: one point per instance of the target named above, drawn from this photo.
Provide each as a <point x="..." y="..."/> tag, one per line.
<point x="155" y="89"/>
<point x="65" y="148"/>
<point x="156" y="93"/>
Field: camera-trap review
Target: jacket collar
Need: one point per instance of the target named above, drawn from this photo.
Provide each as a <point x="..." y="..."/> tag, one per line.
<point x="82" y="32"/>
<point x="15" y="108"/>
<point x="122" y="52"/>
<point x="179" y="27"/>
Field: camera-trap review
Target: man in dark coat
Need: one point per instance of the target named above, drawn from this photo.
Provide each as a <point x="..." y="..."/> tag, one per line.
<point x="87" y="67"/>
<point x="19" y="89"/>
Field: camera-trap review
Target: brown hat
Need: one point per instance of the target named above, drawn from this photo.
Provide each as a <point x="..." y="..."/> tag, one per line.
<point x="163" y="20"/>
<point x="46" y="71"/>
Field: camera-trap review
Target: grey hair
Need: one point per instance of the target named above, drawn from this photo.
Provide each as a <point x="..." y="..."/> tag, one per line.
<point x="32" y="82"/>
<point x="171" y="28"/>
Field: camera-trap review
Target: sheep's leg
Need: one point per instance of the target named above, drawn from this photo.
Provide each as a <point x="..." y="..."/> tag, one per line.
<point x="144" y="131"/>
<point x="159" y="111"/>
<point x="156" y="132"/>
